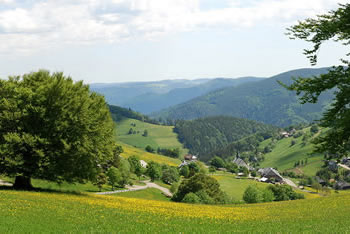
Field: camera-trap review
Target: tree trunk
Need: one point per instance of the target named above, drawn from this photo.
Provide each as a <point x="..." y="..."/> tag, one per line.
<point x="22" y="183"/>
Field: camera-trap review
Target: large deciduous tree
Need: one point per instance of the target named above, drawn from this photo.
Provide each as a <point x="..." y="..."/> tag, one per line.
<point x="52" y="128"/>
<point x="335" y="25"/>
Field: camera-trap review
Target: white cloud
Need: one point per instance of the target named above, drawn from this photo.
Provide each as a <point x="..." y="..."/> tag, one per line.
<point x="55" y="23"/>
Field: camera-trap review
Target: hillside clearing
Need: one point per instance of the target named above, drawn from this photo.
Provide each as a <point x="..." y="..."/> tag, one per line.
<point x="158" y="135"/>
<point x="284" y="155"/>
<point x="130" y="151"/>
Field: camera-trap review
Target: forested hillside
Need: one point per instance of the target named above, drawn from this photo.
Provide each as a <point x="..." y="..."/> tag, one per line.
<point x="265" y="101"/>
<point x="206" y="135"/>
<point x="152" y="102"/>
<point x="119" y="93"/>
<point x="120" y="113"/>
<point x="148" y="97"/>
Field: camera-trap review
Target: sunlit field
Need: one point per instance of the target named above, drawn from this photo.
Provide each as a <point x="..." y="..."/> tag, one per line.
<point x="43" y="212"/>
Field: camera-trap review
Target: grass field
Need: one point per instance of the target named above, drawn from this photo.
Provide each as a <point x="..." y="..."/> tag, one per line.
<point x="284" y="155"/>
<point x="33" y="212"/>
<point x="130" y="151"/>
<point x="148" y="194"/>
<point x="158" y="135"/>
<point x="235" y="188"/>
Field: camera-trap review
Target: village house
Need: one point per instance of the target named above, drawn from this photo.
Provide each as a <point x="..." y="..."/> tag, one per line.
<point x="346" y="162"/>
<point x="240" y="162"/>
<point x="190" y="157"/>
<point x="320" y="181"/>
<point x="285" y="134"/>
<point x="333" y="166"/>
<point x="270" y="175"/>
<point x="342" y="185"/>
<point x="143" y="164"/>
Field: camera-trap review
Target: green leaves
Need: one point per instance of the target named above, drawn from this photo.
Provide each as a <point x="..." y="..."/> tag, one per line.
<point x="56" y="129"/>
<point x="334" y="25"/>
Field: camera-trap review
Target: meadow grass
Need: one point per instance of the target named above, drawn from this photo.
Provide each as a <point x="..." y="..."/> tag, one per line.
<point x="34" y="212"/>
<point x="62" y="187"/>
<point x="235" y="188"/>
<point x="148" y="194"/>
<point x="158" y="135"/>
<point x="146" y="156"/>
<point x="284" y="155"/>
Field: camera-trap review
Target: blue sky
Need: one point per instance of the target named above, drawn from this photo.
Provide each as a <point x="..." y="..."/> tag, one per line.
<point x="142" y="40"/>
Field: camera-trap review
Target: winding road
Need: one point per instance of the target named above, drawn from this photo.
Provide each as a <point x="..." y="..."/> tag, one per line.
<point x="141" y="187"/>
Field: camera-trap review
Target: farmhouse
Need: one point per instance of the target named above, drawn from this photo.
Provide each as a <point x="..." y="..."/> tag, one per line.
<point x="333" y="166"/>
<point x="143" y="164"/>
<point x="240" y="162"/>
<point x="346" y="161"/>
<point x="285" y="134"/>
<point x="270" y="175"/>
<point x="320" y="181"/>
<point x="190" y="157"/>
<point x="342" y="185"/>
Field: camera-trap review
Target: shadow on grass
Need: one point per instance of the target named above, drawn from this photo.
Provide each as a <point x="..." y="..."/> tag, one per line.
<point x="45" y="190"/>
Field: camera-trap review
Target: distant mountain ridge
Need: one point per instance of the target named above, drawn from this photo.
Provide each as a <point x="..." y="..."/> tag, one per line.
<point x="148" y="97"/>
<point x="264" y="101"/>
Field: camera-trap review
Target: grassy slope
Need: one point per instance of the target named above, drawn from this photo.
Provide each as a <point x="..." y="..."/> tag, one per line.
<point x="235" y="188"/>
<point x="20" y="212"/>
<point x="158" y="135"/>
<point x="283" y="156"/>
<point x="130" y="150"/>
<point x="148" y="194"/>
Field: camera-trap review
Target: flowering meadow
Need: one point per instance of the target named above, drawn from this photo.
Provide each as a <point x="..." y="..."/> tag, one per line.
<point x="35" y="212"/>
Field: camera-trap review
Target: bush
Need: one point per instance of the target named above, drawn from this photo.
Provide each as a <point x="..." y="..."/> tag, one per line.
<point x="154" y="171"/>
<point x="212" y="169"/>
<point x="200" y="182"/>
<point x="217" y="162"/>
<point x="191" y="198"/>
<point x="284" y="193"/>
<point x="204" y="197"/>
<point x="252" y="195"/>
<point x="253" y="173"/>
<point x="170" y="175"/>
<point x="185" y="171"/>
<point x="314" y="129"/>
<point x="174" y="187"/>
<point x="149" y="149"/>
<point x="268" y="195"/>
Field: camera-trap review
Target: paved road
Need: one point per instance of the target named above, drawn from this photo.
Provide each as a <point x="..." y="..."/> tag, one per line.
<point x="4" y="183"/>
<point x="140" y="187"/>
<point x="290" y="183"/>
<point x="344" y="166"/>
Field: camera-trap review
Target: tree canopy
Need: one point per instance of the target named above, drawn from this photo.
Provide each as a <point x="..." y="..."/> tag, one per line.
<point x="52" y="128"/>
<point x="331" y="26"/>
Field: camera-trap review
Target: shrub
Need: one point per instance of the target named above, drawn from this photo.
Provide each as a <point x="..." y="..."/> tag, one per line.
<point x="185" y="171"/>
<point x="200" y="182"/>
<point x="149" y="149"/>
<point x="170" y="175"/>
<point x="174" y="187"/>
<point x="217" y="162"/>
<point x="252" y="195"/>
<point x="284" y="193"/>
<point x="204" y="197"/>
<point x="268" y="195"/>
<point x="191" y="198"/>
<point x="154" y="171"/>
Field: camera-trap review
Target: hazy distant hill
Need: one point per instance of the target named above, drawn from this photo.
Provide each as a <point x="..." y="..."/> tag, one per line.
<point x="148" y="97"/>
<point x="151" y="102"/>
<point x="265" y="101"/>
